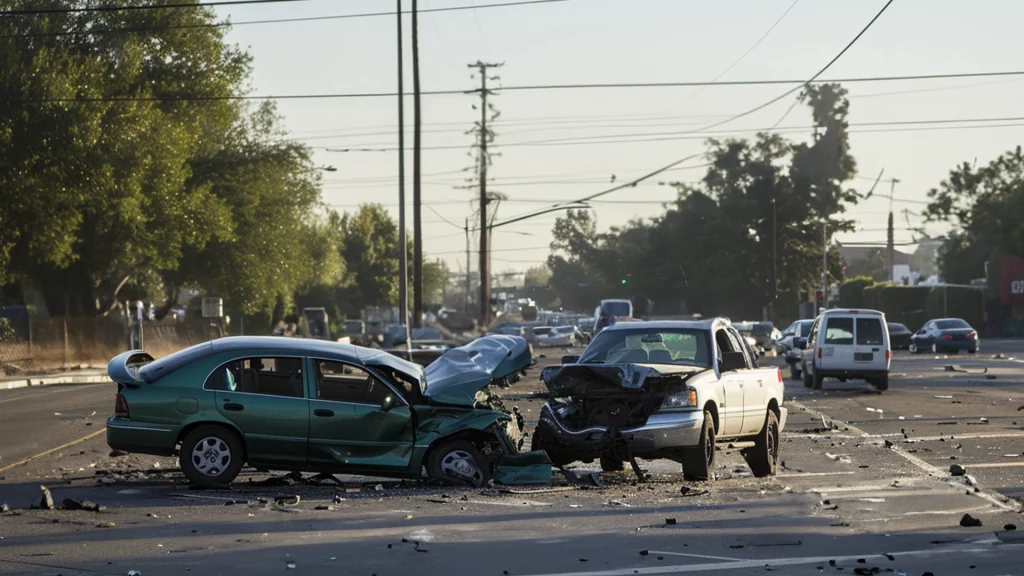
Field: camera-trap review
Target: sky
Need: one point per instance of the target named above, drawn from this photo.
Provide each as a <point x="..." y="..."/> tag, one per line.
<point x="565" y="144"/>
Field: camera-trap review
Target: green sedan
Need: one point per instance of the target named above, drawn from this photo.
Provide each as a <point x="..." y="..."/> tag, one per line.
<point x="310" y="405"/>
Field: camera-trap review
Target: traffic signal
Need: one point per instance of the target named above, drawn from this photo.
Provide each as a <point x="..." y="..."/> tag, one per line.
<point x="819" y="297"/>
<point x="623" y="281"/>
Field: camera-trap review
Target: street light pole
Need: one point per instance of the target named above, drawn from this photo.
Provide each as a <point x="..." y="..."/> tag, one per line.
<point x="417" y="227"/>
<point x="403" y="249"/>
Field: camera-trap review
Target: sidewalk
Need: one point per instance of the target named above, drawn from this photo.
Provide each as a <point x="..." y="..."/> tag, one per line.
<point x="83" y="376"/>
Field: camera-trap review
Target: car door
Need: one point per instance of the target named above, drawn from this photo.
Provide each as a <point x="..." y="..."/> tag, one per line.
<point x="870" y="344"/>
<point x="752" y="383"/>
<point x="731" y="411"/>
<point x="924" y="337"/>
<point x="837" y="343"/>
<point x="264" y="397"/>
<point x="810" y="347"/>
<point x="357" y="420"/>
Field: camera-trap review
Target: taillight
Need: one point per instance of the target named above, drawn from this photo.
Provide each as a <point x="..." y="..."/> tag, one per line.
<point x="972" y="335"/>
<point x="779" y="372"/>
<point x="121" y="407"/>
<point x="888" y="354"/>
<point x="947" y="337"/>
<point x="819" y="352"/>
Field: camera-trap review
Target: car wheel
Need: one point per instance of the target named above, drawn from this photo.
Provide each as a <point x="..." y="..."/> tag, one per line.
<point x="794" y="372"/>
<point x="458" y="462"/>
<point x="763" y="458"/>
<point x="609" y="464"/>
<point x="543" y="440"/>
<point x="211" y="454"/>
<point x="880" y="384"/>
<point x="808" y="381"/>
<point x="972" y="350"/>
<point x="817" y="380"/>
<point x="699" y="461"/>
<point x="912" y="348"/>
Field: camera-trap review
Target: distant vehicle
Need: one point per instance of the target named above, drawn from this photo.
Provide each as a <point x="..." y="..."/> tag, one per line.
<point x="529" y="313"/>
<point x="848" y="345"/>
<point x="316" y="324"/>
<point x="899" y="336"/>
<point x="760" y="332"/>
<point x="563" y="336"/>
<point x="945" y="335"/>
<point x="610" y="312"/>
<point x="662" y="390"/>
<point x="792" y="344"/>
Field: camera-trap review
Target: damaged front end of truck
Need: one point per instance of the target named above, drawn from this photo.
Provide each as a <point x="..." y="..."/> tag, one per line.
<point x="618" y="412"/>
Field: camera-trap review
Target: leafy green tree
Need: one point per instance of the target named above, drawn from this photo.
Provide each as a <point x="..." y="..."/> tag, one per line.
<point x="370" y="251"/>
<point x="537" y="276"/>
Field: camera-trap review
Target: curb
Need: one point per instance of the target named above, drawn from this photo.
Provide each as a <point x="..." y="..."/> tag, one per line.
<point x="51" y="380"/>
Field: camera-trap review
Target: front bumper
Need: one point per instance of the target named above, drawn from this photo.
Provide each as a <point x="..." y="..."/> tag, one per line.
<point x="663" y="432"/>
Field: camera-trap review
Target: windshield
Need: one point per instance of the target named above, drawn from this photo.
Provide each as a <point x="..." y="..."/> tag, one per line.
<point x="542" y="331"/>
<point x="954" y="324"/>
<point x="617" y="308"/>
<point x="897" y="328"/>
<point x="652" y="346"/>
<point x="565" y="330"/>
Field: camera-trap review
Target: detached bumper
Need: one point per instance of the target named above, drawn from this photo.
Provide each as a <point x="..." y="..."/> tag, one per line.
<point x="123" y="434"/>
<point x="663" y="432"/>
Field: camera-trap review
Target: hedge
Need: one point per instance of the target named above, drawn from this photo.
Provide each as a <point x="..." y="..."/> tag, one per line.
<point x="963" y="302"/>
<point x="851" y="292"/>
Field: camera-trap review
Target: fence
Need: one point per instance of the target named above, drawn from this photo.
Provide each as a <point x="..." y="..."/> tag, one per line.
<point x="59" y="342"/>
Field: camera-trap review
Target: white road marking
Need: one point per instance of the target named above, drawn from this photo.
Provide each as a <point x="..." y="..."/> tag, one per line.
<point x="959" y="436"/>
<point x="773" y="562"/>
<point x="519" y="504"/>
<point x="995" y="465"/>
<point x="812" y="474"/>
<point x="704" y="556"/>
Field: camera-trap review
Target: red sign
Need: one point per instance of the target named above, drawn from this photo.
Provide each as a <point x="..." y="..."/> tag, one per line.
<point x="1012" y="280"/>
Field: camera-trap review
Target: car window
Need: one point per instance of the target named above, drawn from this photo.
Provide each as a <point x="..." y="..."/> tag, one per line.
<point x="617" y="308"/>
<point x="951" y="324"/>
<point x="893" y="327"/>
<point x="839" y="331"/>
<point x="812" y="338"/>
<point x="804" y="327"/>
<point x="743" y="346"/>
<point x="268" y="376"/>
<point x="682" y="346"/>
<point x="869" y="332"/>
<point x="340" y="382"/>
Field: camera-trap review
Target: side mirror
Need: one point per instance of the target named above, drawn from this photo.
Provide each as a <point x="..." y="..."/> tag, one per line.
<point x="732" y="361"/>
<point x="570" y="359"/>
<point x="387" y="403"/>
<point x="787" y="334"/>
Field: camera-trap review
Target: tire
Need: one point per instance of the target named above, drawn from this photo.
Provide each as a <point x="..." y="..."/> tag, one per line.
<point x="972" y="350"/>
<point x="611" y="464"/>
<point x="458" y="463"/>
<point x="542" y="440"/>
<point x="794" y="372"/>
<point x="211" y="453"/>
<point x="763" y="458"/>
<point x="699" y="461"/>
<point x="816" y="381"/>
<point x="913" y="348"/>
<point x="808" y="382"/>
<point x="880" y="384"/>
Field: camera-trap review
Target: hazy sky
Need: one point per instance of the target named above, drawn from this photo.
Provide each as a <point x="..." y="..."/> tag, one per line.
<point x="601" y="41"/>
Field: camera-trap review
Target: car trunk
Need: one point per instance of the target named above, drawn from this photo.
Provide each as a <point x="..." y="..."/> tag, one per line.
<point x="613" y="395"/>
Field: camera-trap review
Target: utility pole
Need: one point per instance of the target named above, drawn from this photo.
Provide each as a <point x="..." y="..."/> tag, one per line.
<point x="403" y="249"/>
<point x="775" y="265"/>
<point x="890" y="242"/>
<point x="469" y="278"/>
<point x="417" y="228"/>
<point x="484" y="160"/>
<point x="824" y="265"/>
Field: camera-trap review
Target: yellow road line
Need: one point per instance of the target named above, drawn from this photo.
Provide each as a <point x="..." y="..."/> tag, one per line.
<point x="52" y="450"/>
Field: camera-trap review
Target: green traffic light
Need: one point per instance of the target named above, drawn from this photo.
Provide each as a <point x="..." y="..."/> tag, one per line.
<point x="623" y="280"/>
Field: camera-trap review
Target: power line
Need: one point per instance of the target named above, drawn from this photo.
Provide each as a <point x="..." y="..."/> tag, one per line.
<point x="126" y="8"/>
<point x="268" y="21"/>
<point x="356" y="95"/>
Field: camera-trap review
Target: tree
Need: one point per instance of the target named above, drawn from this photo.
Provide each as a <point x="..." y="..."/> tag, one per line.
<point x="537" y="276"/>
<point x="977" y="203"/>
<point x="873" y="266"/>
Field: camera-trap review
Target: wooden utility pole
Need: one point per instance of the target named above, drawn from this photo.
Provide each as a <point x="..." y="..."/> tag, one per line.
<point x="890" y="246"/>
<point x="483" y="161"/>
<point x="403" y="249"/>
<point x="417" y="228"/>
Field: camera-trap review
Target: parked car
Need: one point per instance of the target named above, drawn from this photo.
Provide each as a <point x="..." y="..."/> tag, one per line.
<point x="611" y="311"/>
<point x="760" y="332"/>
<point x="563" y="336"/>
<point x="791" y="345"/>
<point x="899" y="336"/>
<point x="945" y="335"/>
<point x="848" y="345"/>
<point x="662" y="390"/>
<point x="311" y="405"/>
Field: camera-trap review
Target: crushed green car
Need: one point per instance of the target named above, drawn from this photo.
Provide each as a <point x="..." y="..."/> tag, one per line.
<point x="318" y="406"/>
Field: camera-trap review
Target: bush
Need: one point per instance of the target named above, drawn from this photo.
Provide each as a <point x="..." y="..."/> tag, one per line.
<point x="963" y="302"/>
<point x="851" y="292"/>
<point x="6" y="330"/>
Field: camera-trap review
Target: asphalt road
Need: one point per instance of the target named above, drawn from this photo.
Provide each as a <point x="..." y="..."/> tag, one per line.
<point x="852" y="488"/>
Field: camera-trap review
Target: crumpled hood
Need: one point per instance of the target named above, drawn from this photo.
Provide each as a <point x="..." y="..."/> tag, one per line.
<point x="577" y="379"/>
<point x="461" y="372"/>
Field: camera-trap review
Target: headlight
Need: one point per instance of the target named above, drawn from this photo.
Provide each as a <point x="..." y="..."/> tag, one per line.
<point x="685" y="399"/>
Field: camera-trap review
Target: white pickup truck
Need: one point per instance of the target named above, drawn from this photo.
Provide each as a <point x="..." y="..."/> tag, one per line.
<point x="662" y="390"/>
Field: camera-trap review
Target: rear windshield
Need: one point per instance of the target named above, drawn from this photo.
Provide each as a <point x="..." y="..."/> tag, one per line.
<point x="158" y="369"/>
<point x="617" y="308"/>
<point x="839" y="331"/>
<point x="893" y="327"/>
<point x="869" y="332"/>
<point x="954" y="324"/>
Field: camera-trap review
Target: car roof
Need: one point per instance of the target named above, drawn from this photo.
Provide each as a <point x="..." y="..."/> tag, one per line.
<point x="666" y="325"/>
<point x="851" y="312"/>
<point x="304" y="346"/>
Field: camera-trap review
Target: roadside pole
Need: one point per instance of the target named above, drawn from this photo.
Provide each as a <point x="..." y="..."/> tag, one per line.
<point x="403" y="248"/>
<point x="824" y="266"/>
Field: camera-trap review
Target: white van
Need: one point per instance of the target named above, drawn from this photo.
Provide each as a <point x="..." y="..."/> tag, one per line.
<point x="848" y="345"/>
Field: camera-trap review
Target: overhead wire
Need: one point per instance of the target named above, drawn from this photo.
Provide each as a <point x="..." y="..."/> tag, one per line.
<point x="139" y="7"/>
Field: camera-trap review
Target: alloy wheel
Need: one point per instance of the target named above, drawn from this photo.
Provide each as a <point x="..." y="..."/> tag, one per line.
<point x="211" y="456"/>
<point x="461" y="465"/>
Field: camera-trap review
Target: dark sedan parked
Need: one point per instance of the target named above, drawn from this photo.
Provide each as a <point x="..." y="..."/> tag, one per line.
<point x="945" y="335"/>
<point x="899" y="336"/>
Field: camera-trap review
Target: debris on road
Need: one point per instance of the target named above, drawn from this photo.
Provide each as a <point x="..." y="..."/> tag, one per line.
<point x="84" y="505"/>
<point x="106" y="525"/>
<point x="670" y="521"/>
<point x="4" y="508"/>
<point x="957" y="470"/>
<point x="115" y="453"/>
<point x="968" y="521"/>
<point x="1010" y="527"/>
<point x="288" y="500"/>
<point x="46" y="501"/>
